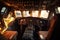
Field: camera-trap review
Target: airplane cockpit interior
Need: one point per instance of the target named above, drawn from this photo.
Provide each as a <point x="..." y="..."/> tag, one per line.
<point x="29" y="19"/>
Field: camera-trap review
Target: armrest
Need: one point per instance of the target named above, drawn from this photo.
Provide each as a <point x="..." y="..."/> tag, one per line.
<point x="10" y="34"/>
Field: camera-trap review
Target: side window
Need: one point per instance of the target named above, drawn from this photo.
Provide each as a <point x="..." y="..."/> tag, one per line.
<point x="3" y="10"/>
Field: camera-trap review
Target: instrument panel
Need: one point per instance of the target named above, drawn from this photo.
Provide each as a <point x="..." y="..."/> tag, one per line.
<point x="41" y="23"/>
<point x="31" y="25"/>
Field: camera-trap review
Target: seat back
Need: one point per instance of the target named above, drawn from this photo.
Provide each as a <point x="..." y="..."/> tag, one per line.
<point x="52" y="25"/>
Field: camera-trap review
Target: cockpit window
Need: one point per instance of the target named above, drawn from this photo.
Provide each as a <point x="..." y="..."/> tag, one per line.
<point x="3" y="9"/>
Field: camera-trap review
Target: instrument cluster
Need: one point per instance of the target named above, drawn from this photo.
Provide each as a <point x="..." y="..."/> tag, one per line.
<point x="41" y="23"/>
